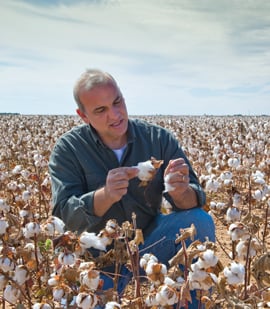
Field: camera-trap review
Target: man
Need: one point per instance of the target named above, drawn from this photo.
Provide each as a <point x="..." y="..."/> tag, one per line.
<point x="94" y="177"/>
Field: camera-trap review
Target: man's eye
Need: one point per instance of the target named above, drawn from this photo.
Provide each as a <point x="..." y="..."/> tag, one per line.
<point x="118" y="101"/>
<point x="100" y="110"/>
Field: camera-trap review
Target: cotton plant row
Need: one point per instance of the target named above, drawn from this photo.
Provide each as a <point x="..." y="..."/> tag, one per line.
<point x="47" y="267"/>
<point x="232" y="158"/>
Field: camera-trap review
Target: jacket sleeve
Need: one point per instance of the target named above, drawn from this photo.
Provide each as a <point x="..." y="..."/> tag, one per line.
<point x="70" y="202"/>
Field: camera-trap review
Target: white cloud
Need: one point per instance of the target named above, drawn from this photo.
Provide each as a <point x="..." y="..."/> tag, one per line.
<point x="169" y="56"/>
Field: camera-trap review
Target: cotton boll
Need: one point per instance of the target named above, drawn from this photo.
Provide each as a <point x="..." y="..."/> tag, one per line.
<point x="90" y="278"/>
<point x="147" y="257"/>
<point x="258" y="195"/>
<point x="3" y="281"/>
<point x="238" y="231"/>
<point x="212" y="205"/>
<point x="207" y="259"/>
<point x="111" y="227"/>
<point x="31" y="229"/>
<point x="16" y="170"/>
<point x="148" y="169"/>
<point x="243" y="245"/>
<point x="53" y="225"/>
<point x="220" y="206"/>
<point x="7" y="264"/>
<point x="4" y="206"/>
<point x="166" y="295"/>
<point x="234" y="162"/>
<point x="227" y="175"/>
<point x="212" y="185"/>
<point x="156" y="272"/>
<point x="58" y="293"/>
<point x="26" y="195"/>
<point x="237" y="199"/>
<point x="151" y="300"/>
<point x="196" y="273"/>
<point x="53" y="280"/>
<point x="3" y="226"/>
<point x="11" y="294"/>
<point x="235" y="273"/>
<point x="155" y="268"/>
<point x="21" y="274"/>
<point x="91" y="240"/>
<point x="232" y="214"/>
<point x="167" y="185"/>
<point x="41" y="306"/>
<point x="112" y="305"/>
<point x="86" y="300"/>
<point x="67" y="258"/>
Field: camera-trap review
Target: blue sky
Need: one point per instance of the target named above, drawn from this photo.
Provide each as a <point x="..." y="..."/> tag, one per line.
<point x="180" y="57"/>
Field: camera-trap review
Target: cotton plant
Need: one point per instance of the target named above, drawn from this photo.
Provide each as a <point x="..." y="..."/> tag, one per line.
<point x="234" y="146"/>
<point x="162" y="292"/>
<point x="199" y="276"/>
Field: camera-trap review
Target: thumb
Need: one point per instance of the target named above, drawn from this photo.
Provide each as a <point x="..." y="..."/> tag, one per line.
<point x="132" y="172"/>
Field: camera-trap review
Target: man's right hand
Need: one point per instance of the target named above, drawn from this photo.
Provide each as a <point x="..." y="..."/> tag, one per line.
<point x="115" y="188"/>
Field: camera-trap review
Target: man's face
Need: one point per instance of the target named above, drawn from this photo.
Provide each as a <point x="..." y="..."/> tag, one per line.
<point x="105" y="110"/>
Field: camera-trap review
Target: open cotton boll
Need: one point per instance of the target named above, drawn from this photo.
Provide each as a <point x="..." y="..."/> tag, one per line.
<point x="53" y="226"/>
<point x="207" y="259"/>
<point x="86" y="301"/>
<point x="146" y="258"/>
<point x="112" y="305"/>
<point x="166" y="296"/>
<point x="232" y="214"/>
<point x="167" y="185"/>
<point x="67" y="258"/>
<point x="41" y="306"/>
<point x="148" y="169"/>
<point x="11" y="294"/>
<point x="235" y="273"/>
<point x="21" y="274"/>
<point x="91" y="240"/>
<point x="90" y="278"/>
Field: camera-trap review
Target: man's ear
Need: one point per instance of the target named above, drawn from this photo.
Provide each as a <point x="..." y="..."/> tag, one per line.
<point x="82" y="115"/>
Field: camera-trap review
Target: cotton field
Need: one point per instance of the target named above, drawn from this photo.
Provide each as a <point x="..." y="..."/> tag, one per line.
<point x="44" y="266"/>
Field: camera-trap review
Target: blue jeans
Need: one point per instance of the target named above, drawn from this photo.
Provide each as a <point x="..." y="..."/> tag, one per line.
<point x="168" y="226"/>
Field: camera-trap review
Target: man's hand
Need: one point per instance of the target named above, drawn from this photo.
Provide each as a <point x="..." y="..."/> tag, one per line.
<point x="177" y="178"/>
<point x="177" y="175"/>
<point x="116" y="186"/>
<point x="117" y="182"/>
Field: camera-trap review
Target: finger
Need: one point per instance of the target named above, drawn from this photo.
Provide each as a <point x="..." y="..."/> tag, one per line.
<point x="184" y="178"/>
<point x="176" y="162"/>
<point x="132" y="172"/>
<point x="181" y="178"/>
